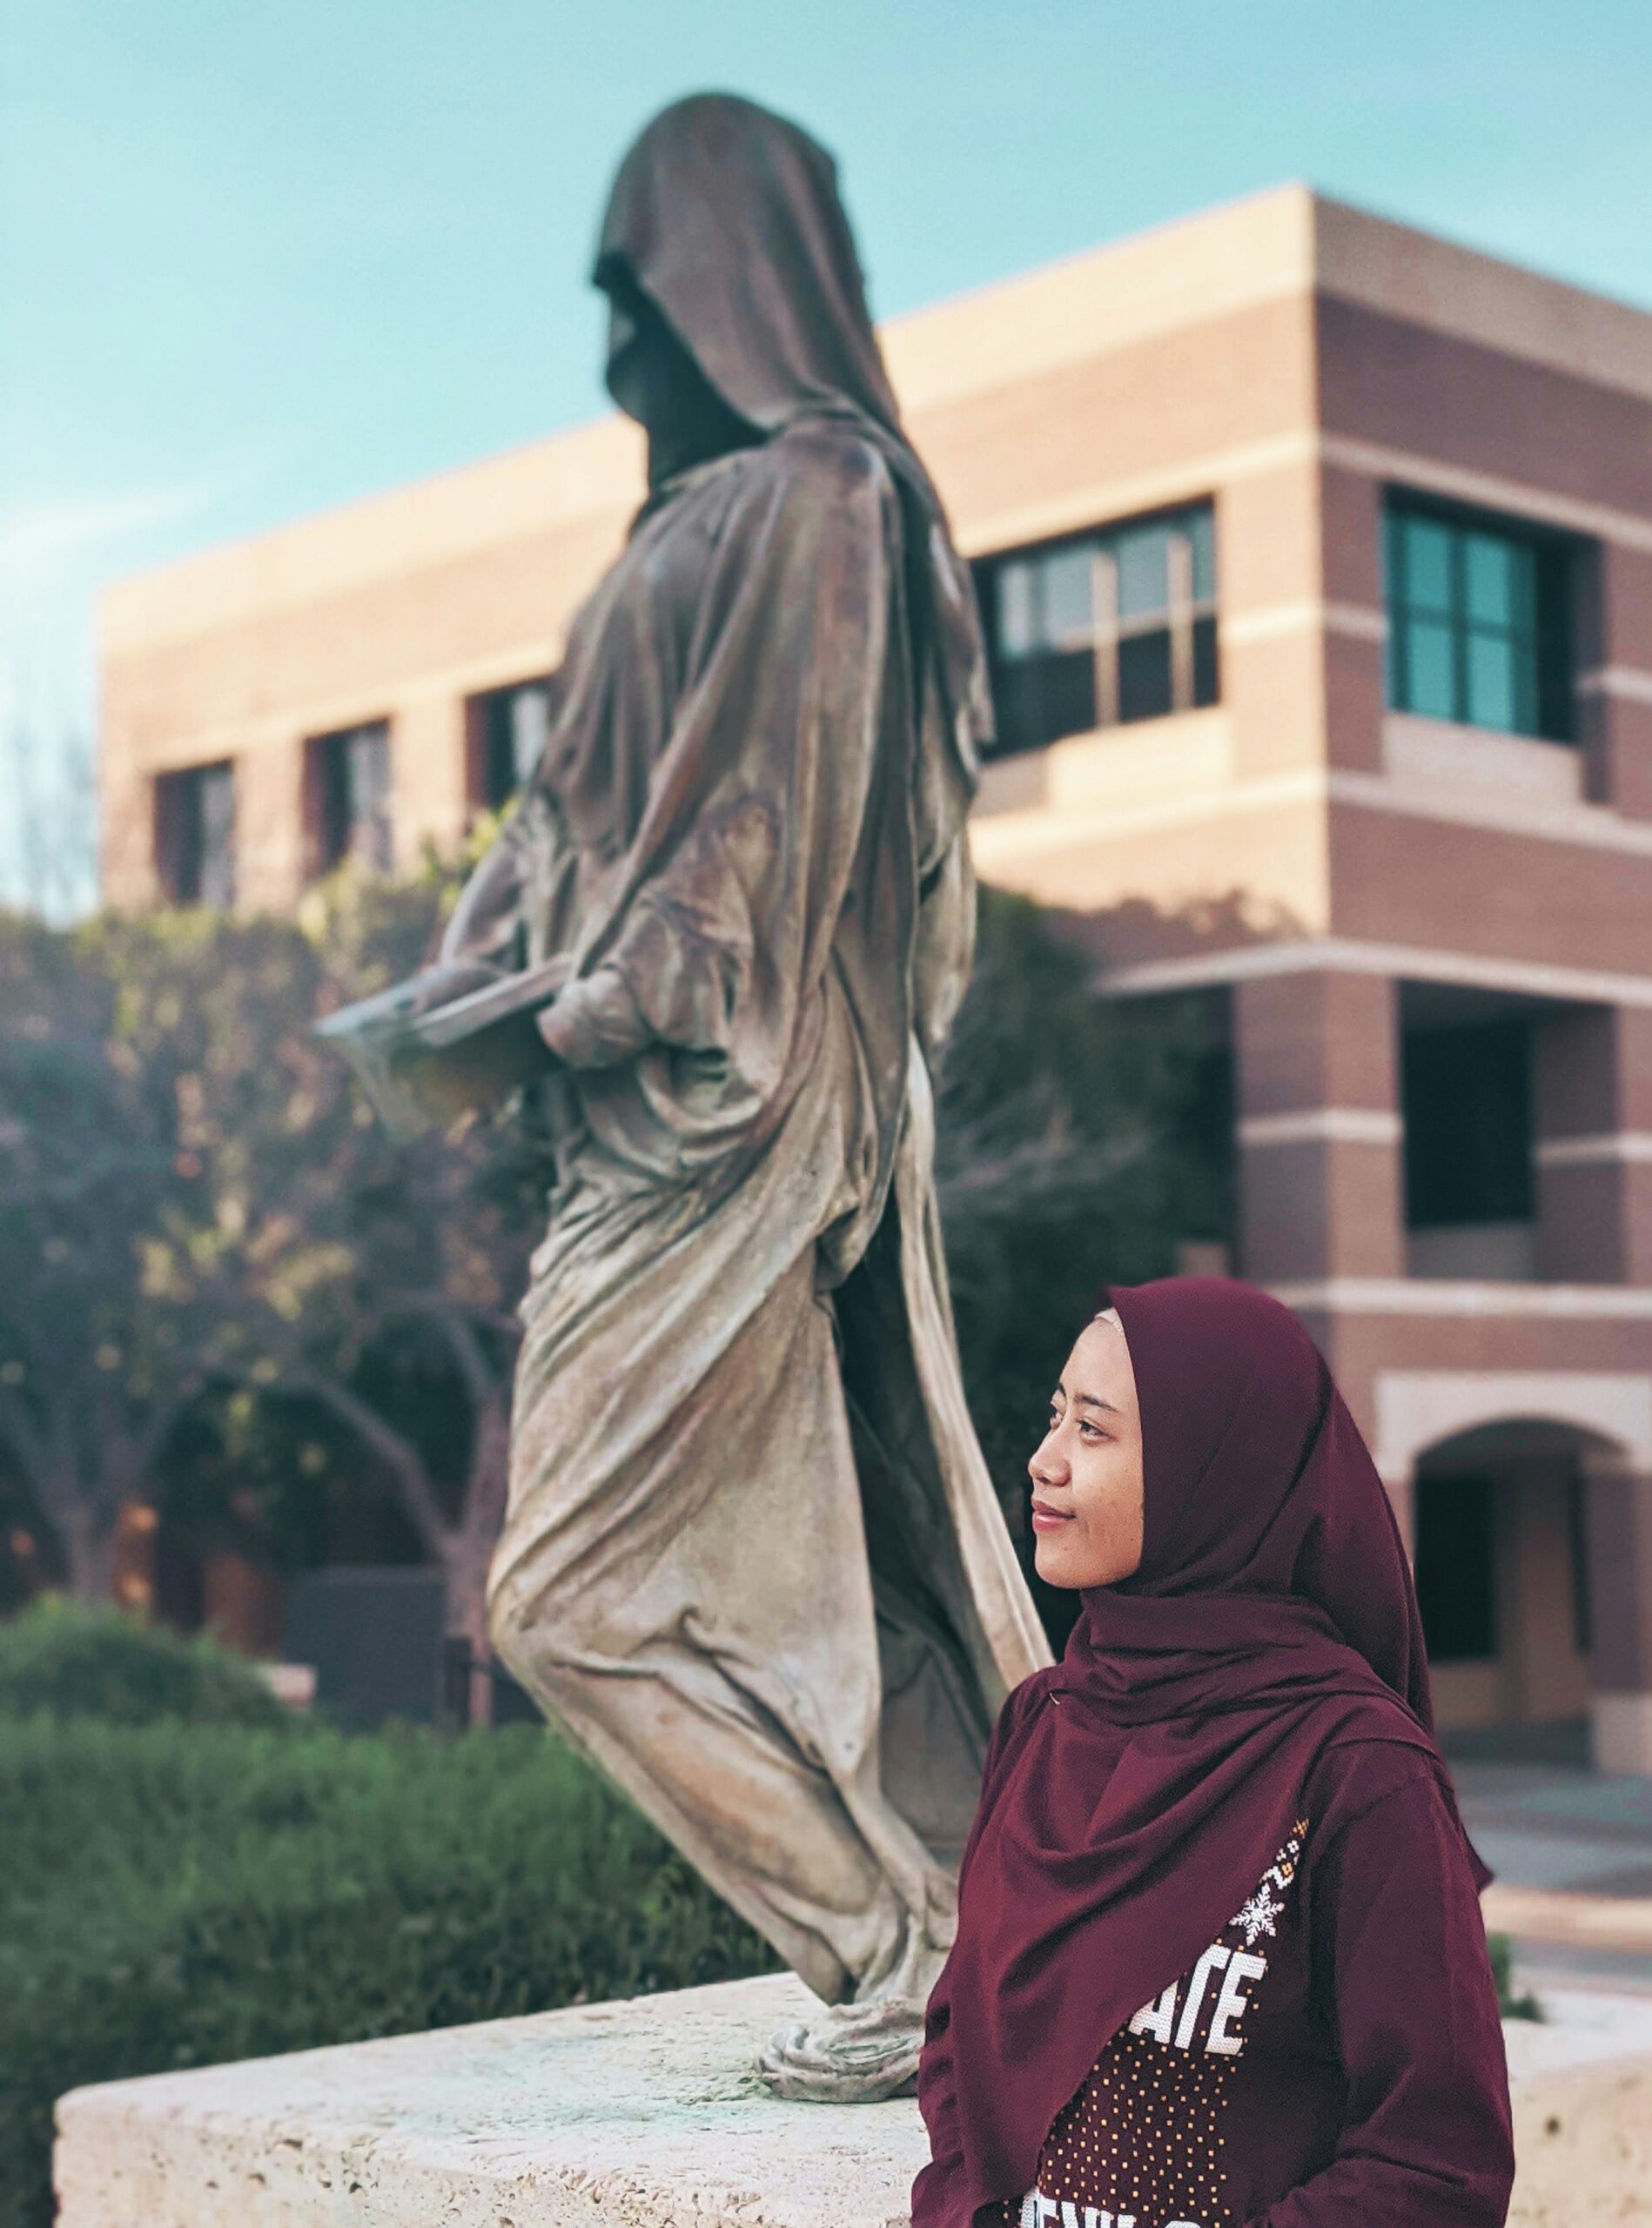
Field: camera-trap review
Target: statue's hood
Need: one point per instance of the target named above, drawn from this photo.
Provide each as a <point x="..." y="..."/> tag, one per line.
<point x="729" y="219"/>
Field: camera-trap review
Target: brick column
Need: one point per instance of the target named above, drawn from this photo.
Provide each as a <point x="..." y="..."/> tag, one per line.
<point x="1594" y="1145"/>
<point x="1614" y="677"/>
<point x="1620" y="1563"/>
<point x="127" y="872"/>
<point x="1319" y="1127"/>
<point x="428" y="780"/>
<point x="271" y="839"/>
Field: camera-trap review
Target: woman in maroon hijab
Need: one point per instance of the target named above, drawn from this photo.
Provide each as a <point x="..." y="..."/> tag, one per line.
<point x="1219" y="1960"/>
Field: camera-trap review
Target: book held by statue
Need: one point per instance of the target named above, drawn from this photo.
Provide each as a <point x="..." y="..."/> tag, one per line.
<point x="455" y="1038"/>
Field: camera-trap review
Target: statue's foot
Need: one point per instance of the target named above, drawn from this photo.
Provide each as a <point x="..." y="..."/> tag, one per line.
<point x="861" y="2052"/>
<point x="849" y="2053"/>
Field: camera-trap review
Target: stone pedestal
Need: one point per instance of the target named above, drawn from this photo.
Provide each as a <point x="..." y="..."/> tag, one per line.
<point x="646" y="2114"/>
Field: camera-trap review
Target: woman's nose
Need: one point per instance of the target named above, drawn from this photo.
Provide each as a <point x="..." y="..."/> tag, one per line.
<point x="1046" y="1467"/>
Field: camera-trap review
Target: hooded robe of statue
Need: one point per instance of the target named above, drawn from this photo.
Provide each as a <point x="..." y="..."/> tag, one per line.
<point x="752" y="1561"/>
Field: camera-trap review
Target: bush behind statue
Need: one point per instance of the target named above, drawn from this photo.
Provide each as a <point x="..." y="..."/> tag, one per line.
<point x="72" y="1662"/>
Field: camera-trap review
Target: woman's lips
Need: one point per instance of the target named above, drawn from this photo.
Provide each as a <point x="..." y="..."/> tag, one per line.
<point x="1045" y="1519"/>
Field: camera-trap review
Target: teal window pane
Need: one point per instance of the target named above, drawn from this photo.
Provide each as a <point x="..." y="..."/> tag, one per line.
<point x="1522" y="568"/>
<point x="1069" y="603"/>
<point x="1426" y="556"/>
<point x="1487" y="569"/>
<point x="1494" y="663"/>
<point x="1429" y="669"/>
<point x="1201" y="533"/>
<point x="1143" y="571"/>
<point x="1018" y="624"/>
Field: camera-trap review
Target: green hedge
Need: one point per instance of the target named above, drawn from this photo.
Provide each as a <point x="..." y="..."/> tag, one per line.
<point x="76" y="1662"/>
<point x="1526" y="2006"/>
<point x="180" y="1895"/>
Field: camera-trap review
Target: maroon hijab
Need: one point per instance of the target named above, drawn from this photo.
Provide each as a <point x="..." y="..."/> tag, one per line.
<point x="1137" y="1790"/>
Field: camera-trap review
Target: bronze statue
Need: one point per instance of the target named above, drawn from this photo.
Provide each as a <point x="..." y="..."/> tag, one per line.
<point x="752" y="1565"/>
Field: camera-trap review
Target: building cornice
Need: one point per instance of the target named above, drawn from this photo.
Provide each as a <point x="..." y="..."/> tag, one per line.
<point x="1348" y="955"/>
<point x="1425" y="1296"/>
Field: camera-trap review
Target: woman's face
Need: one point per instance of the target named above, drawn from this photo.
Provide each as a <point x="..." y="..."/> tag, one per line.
<point x="1087" y="1474"/>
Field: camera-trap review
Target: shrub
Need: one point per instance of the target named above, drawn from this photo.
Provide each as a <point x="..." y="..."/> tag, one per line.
<point x="180" y="1895"/>
<point x="72" y="1662"/>
<point x="1512" y="2006"/>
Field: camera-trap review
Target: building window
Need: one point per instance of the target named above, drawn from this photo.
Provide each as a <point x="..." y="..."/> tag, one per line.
<point x="1456" y="1568"/>
<point x="195" y="835"/>
<point x="1108" y="628"/>
<point x="1467" y="1094"/>
<point x="348" y="778"/>
<point x="1478" y="621"/>
<point x="505" y="733"/>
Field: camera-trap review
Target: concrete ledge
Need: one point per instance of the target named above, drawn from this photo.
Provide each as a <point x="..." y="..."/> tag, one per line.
<point x="646" y="2115"/>
<point x="1570" y="1916"/>
<point x="1582" y="2087"/>
<point x="641" y="2113"/>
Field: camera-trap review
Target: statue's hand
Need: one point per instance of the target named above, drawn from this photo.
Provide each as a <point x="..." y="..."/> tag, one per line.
<point x="595" y="1021"/>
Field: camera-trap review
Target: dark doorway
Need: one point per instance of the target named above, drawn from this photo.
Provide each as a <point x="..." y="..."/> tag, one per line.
<point x="1456" y="1568"/>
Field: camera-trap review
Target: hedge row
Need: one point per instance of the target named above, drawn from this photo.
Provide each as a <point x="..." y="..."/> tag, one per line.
<point x="178" y="1894"/>
<point x="72" y="1662"/>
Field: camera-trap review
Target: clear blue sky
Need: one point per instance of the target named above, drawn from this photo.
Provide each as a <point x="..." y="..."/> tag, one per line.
<point x="259" y="257"/>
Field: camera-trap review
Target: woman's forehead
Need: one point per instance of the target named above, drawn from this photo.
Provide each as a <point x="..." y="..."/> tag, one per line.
<point x="1099" y="1365"/>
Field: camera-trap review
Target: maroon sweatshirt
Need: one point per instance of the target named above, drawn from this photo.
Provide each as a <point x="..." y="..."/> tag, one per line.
<point x="1333" y="2059"/>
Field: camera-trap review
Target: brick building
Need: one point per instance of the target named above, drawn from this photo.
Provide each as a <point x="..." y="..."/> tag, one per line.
<point x="1317" y="559"/>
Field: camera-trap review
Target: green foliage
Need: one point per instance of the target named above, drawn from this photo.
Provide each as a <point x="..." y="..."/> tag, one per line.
<point x="67" y="1661"/>
<point x="176" y="1895"/>
<point x="1526" y="2006"/>
<point x="215" y="1242"/>
<point x="1078" y="1140"/>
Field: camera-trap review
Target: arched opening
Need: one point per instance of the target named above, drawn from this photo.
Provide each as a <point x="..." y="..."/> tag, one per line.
<point x="1501" y="1527"/>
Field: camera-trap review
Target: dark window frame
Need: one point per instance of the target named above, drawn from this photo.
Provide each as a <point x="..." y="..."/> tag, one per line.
<point x="1079" y="680"/>
<point x="194" y="844"/>
<point x="1459" y="1601"/>
<point x="1551" y="635"/>
<point x="340" y="824"/>
<point x="494" y="765"/>
<point x="1469" y="1092"/>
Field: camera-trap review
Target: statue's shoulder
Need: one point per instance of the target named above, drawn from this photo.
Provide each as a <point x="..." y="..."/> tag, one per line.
<point x="818" y="481"/>
<point x="824" y="455"/>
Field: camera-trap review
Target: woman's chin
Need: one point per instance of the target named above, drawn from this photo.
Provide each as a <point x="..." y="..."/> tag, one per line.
<point x="1058" y="1564"/>
<point x="1072" y="1565"/>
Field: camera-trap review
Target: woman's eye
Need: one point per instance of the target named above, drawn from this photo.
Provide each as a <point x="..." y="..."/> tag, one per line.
<point x="1090" y="1432"/>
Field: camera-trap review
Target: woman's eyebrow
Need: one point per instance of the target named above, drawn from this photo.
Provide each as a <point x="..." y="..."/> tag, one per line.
<point x="1089" y="1401"/>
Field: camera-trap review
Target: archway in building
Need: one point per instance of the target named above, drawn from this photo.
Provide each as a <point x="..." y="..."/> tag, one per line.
<point x="1500" y="1531"/>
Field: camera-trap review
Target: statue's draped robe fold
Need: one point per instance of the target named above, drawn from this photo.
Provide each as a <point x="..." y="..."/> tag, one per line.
<point x="752" y="1561"/>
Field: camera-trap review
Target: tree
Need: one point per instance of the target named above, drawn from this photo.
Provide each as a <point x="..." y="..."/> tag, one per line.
<point x="50" y="865"/>
<point x="440" y="1228"/>
<point x="199" y="1202"/>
